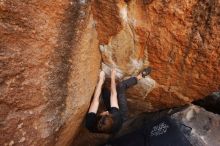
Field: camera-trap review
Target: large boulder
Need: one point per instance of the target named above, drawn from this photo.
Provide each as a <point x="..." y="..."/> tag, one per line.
<point x="49" y="62"/>
<point x="179" y="39"/>
<point x="205" y="125"/>
<point x="50" y="59"/>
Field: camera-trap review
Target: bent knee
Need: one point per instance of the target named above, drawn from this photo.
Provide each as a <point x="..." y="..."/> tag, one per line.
<point x="120" y="85"/>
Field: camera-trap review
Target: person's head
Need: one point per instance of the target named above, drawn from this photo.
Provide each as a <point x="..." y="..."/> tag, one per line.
<point x="105" y="122"/>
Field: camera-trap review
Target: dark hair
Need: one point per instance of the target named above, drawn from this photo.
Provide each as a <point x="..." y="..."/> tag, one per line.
<point x="105" y="123"/>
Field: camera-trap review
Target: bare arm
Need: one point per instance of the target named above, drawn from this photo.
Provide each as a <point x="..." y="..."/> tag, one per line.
<point x="95" y="102"/>
<point x="113" y="98"/>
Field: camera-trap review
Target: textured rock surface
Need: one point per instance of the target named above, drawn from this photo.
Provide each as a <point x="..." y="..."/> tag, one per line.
<point x="49" y="59"/>
<point x="205" y="125"/>
<point x="179" y="39"/>
<point x="49" y="63"/>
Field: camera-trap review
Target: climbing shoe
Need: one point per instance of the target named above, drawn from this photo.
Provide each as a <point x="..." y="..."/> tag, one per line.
<point x="146" y="72"/>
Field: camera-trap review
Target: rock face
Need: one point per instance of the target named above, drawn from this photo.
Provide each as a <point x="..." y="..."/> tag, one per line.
<point x="50" y="58"/>
<point x="179" y="39"/>
<point x="49" y="61"/>
<point x="205" y="125"/>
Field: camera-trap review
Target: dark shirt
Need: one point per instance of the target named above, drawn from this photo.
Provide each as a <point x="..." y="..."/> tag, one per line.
<point x="91" y="120"/>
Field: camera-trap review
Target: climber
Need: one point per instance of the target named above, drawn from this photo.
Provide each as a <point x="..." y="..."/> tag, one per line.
<point x="110" y="121"/>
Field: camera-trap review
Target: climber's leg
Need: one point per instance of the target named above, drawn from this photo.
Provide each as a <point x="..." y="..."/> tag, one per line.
<point x="120" y="91"/>
<point x="122" y="86"/>
<point x="122" y="100"/>
<point x="133" y="80"/>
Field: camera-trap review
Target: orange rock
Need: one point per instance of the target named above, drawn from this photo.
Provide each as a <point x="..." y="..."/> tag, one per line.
<point x="49" y="62"/>
<point x="108" y="23"/>
<point x="180" y="40"/>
